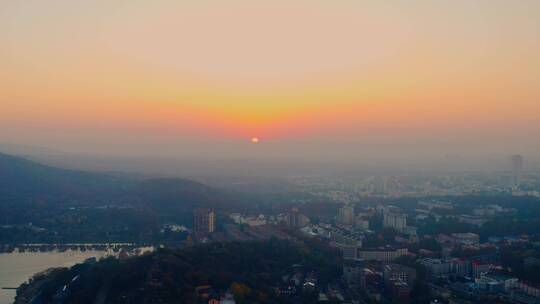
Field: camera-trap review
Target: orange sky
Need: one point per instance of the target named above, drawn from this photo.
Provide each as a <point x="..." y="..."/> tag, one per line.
<point x="103" y="71"/>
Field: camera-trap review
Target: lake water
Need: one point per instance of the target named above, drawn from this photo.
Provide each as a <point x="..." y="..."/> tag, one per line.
<point x="17" y="268"/>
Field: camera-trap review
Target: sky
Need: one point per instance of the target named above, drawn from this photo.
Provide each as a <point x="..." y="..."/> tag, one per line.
<point x="311" y="79"/>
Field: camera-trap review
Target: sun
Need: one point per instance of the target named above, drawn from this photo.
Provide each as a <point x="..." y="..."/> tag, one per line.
<point x="254" y="140"/>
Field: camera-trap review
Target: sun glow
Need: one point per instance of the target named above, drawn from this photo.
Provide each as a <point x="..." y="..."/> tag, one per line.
<point x="301" y="78"/>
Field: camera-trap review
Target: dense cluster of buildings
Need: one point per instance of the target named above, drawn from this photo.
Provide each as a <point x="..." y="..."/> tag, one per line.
<point x="385" y="255"/>
<point x="376" y="273"/>
<point x="511" y="179"/>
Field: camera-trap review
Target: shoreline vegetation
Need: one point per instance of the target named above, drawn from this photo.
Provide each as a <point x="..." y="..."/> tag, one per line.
<point x="253" y="272"/>
<point x="133" y="248"/>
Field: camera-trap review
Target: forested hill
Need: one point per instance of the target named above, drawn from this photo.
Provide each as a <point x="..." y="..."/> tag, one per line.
<point x="78" y="206"/>
<point x="25" y="180"/>
<point x="251" y="271"/>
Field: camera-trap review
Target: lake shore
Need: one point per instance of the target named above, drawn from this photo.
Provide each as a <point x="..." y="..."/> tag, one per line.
<point x="19" y="265"/>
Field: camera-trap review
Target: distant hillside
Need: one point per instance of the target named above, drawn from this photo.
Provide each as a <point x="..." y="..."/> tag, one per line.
<point x="175" y="197"/>
<point x="44" y="195"/>
<point x="24" y="179"/>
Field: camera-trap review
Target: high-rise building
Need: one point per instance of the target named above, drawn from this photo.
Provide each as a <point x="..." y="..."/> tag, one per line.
<point x="385" y="184"/>
<point x="346" y="215"/>
<point x="396" y="221"/>
<point x="295" y="219"/>
<point x="204" y="221"/>
<point x="461" y="267"/>
<point x="380" y="185"/>
<point x="353" y="272"/>
<point x="361" y="223"/>
<point x="436" y="268"/>
<point x="347" y="242"/>
<point x="479" y="268"/>
<point x="517" y="169"/>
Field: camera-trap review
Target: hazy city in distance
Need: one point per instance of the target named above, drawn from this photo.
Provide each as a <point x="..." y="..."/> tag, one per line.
<point x="268" y="152"/>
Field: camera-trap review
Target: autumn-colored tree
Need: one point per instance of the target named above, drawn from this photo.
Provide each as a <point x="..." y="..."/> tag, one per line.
<point x="240" y="292"/>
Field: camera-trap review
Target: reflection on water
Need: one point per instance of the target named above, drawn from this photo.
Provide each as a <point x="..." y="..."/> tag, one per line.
<point x="16" y="268"/>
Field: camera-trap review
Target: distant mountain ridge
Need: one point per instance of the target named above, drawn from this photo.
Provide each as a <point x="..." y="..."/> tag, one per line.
<point x="21" y="178"/>
<point x="46" y="204"/>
